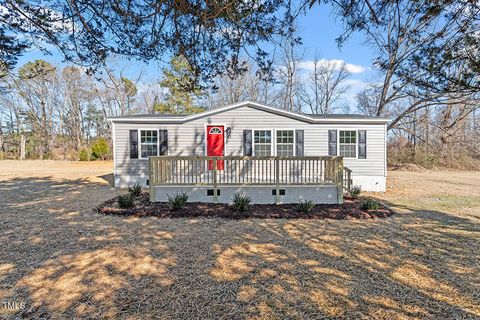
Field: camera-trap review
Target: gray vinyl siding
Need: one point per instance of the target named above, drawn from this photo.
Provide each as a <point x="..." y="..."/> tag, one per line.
<point x="188" y="139"/>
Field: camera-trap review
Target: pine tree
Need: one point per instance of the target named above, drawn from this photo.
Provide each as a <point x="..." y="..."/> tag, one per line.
<point x="179" y="80"/>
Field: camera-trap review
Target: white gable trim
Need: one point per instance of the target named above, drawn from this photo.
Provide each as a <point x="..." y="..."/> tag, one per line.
<point x="251" y="104"/>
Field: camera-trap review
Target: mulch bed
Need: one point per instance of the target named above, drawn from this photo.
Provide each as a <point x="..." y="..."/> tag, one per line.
<point x="351" y="209"/>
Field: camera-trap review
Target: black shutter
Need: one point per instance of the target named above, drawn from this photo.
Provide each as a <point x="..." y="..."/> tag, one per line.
<point x="299" y="150"/>
<point x="133" y="144"/>
<point x="332" y="142"/>
<point x="362" y="144"/>
<point x="163" y="136"/>
<point x="247" y="142"/>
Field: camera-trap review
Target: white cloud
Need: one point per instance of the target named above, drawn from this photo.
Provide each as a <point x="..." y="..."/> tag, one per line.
<point x="353" y="68"/>
<point x="356" y="85"/>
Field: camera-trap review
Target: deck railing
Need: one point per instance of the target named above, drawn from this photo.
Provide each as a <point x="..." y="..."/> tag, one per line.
<point x="347" y="179"/>
<point x="239" y="170"/>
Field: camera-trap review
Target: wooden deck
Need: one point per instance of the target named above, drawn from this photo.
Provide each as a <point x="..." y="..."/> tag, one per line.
<point x="249" y="171"/>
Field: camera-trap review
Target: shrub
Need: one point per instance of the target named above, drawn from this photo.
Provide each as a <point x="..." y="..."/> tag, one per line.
<point x="370" y="204"/>
<point x="355" y="192"/>
<point x="135" y="190"/>
<point x="125" y="200"/>
<point x="241" y="202"/>
<point x="71" y="154"/>
<point x="100" y="148"/>
<point x="83" y="155"/>
<point x="306" y="206"/>
<point x="178" y="201"/>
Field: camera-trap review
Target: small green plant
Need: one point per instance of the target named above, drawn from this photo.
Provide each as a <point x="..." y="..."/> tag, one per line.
<point x="178" y="201"/>
<point x="370" y="204"/>
<point x="135" y="190"/>
<point x="306" y="206"/>
<point x="83" y="155"/>
<point x="355" y="192"/>
<point x="100" y="149"/>
<point x="125" y="200"/>
<point x="241" y="202"/>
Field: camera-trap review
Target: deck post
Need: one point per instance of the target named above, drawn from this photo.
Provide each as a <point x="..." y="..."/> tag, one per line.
<point x="277" y="180"/>
<point x="339" y="162"/>
<point x="349" y="182"/>
<point x="151" y="179"/>
<point x="215" y="196"/>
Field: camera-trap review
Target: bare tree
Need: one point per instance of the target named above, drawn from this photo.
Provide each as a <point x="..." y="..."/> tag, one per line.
<point x="38" y="91"/>
<point x="48" y="112"/>
<point x="367" y="100"/>
<point x="404" y="32"/>
<point x="77" y="96"/>
<point x="2" y="146"/>
<point x="117" y="94"/>
<point x="10" y="106"/>
<point x="288" y="74"/>
<point x="148" y="97"/>
<point x="231" y="88"/>
<point x="325" y="86"/>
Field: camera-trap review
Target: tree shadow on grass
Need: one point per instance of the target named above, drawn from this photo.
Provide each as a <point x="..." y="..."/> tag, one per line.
<point x="65" y="261"/>
<point x="420" y="265"/>
<point x="107" y="178"/>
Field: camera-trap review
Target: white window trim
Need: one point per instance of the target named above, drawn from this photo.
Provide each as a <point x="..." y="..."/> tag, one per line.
<point x="294" y="140"/>
<point x="272" y="132"/>
<point x="356" y="142"/>
<point x="140" y="141"/>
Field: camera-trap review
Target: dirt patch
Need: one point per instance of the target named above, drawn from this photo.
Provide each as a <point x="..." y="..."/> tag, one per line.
<point x="351" y="209"/>
<point x="410" y="167"/>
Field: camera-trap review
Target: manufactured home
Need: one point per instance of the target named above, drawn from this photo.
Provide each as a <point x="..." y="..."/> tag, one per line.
<point x="274" y="155"/>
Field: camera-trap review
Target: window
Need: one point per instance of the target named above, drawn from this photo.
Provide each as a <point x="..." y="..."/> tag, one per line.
<point x="285" y="146"/>
<point x="348" y="144"/>
<point x="262" y="143"/>
<point x="148" y="143"/>
<point x="215" y="130"/>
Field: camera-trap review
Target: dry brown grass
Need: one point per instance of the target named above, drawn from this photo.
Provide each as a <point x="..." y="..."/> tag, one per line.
<point x="64" y="261"/>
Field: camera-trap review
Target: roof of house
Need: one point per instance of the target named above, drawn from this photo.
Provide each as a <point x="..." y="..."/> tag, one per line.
<point x="154" y="115"/>
<point x="343" y="116"/>
<point x="311" y="118"/>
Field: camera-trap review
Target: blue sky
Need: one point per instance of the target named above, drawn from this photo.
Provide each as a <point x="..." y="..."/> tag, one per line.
<point x="318" y="30"/>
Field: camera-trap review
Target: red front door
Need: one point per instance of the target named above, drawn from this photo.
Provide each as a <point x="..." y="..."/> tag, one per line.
<point x="215" y="145"/>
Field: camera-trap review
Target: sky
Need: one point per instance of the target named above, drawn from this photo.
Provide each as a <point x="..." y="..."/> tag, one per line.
<point x="318" y="30"/>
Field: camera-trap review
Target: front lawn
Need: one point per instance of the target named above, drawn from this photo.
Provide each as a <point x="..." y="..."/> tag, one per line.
<point x="64" y="261"/>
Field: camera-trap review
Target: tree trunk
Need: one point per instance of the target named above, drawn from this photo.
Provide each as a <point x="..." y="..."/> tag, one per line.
<point x="2" y="147"/>
<point x="22" y="146"/>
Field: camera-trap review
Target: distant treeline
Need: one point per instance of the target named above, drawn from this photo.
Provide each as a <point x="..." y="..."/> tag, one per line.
<point x="52" y="113"/>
